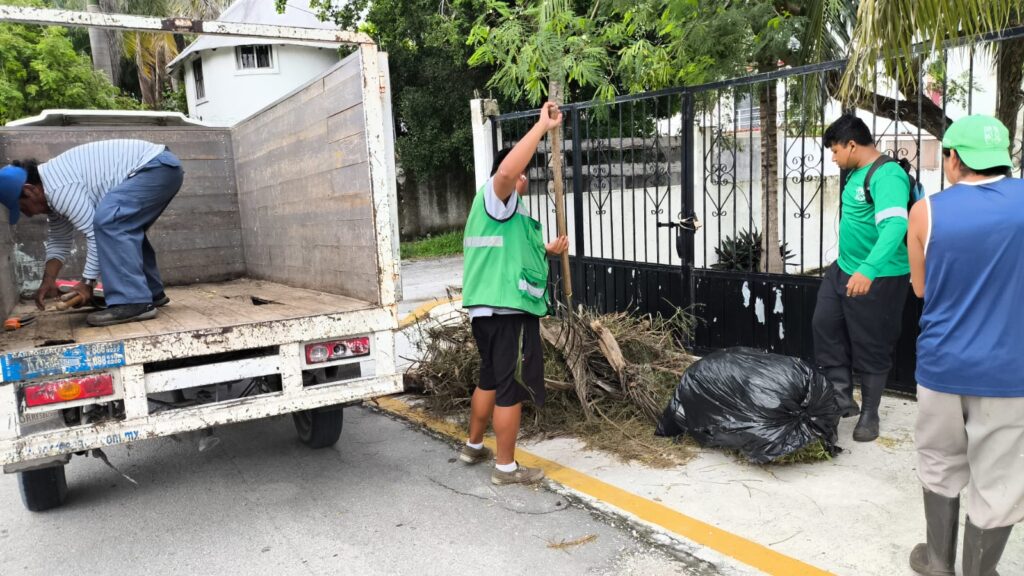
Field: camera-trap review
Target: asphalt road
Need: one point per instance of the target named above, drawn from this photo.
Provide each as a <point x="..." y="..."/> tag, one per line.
<point x="387" y="499"/>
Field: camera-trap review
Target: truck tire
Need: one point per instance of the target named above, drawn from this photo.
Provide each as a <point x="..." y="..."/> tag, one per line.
<point x="43" y="489"/>
<point x="319" y="428"/>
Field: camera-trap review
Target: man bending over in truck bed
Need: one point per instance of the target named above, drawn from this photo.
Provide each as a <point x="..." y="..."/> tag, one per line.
<point x="111" y="191"/>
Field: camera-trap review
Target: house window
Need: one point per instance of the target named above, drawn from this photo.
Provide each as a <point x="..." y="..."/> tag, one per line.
<point x="253" y="57"/>
<point x="748" y="116"/>
<point x="197" y="74"/>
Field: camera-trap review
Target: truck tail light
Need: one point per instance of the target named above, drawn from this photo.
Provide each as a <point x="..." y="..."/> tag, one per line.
<point x="69" y="390"/>
<point x="337" y="349"/>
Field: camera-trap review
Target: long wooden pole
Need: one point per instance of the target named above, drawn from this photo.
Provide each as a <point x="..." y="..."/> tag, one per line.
<point x="555" y="139"/>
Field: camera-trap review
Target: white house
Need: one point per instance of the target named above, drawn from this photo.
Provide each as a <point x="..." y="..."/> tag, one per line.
<point x="227" y="79"/>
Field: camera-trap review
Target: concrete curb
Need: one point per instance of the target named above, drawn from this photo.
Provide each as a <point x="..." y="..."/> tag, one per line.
<point x="434" y="308"/>
<point x="631" y="507"/>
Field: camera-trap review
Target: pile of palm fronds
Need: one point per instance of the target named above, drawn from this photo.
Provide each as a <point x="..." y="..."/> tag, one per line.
<point x="609" y="377"/>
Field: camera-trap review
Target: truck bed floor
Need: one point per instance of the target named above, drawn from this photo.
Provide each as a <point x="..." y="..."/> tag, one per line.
<point x="192" y="307"/>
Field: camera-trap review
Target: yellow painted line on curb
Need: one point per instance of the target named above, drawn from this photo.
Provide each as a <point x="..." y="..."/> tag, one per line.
<point x="418" y="314"/>
<point x="725" y="543"/>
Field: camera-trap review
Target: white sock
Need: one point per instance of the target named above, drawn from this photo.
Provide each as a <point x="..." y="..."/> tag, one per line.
<point x="474" y="446"/>
<point x="507" y="467"/>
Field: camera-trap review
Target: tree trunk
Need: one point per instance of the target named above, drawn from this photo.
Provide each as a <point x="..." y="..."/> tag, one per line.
<point x="160" y="74"/>
<point x="771" y="257"/>
<point x="99" y="44"/>
<point x="1009" y="75"/>
<point x="115" y="42"/>
<point x="558" y="180"/>
<point x="147" y="78"/>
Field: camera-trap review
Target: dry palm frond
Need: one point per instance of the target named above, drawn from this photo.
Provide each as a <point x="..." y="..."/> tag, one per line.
<point x="608" y="378"/>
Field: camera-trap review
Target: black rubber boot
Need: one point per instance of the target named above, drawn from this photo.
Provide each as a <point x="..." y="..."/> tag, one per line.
<point x="842" y="380"/>
<point x="871" y="388"/>
<point x="983" y="547"/>
<point x="938" y="556"/>
<point x="121" y="314"/>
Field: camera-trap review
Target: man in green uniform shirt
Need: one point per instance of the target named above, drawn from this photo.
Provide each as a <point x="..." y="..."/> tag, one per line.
<point x="857" y="318"/>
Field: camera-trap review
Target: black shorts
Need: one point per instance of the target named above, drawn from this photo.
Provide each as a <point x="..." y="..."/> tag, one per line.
<point x="511" y="358"/>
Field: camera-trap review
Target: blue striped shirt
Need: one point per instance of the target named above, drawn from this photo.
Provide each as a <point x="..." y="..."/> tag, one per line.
<point x="74" y="184"/>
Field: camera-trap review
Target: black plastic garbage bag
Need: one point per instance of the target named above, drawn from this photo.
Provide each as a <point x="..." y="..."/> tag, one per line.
<point x="764" y="405"/>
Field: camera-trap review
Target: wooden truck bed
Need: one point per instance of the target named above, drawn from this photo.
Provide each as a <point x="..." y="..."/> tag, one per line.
<point x="193" y="307"/>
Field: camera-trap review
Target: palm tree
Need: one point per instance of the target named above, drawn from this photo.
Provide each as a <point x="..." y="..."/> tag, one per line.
<point x="151" y="52"/>
<point x="822" y="37"/>
<point x="99" y="43"/>
<point x="890" y="32"/>
<point x="901" y="34"/>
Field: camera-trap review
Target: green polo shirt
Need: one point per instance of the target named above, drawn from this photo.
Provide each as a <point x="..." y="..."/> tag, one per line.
<point x="871" y="235"/>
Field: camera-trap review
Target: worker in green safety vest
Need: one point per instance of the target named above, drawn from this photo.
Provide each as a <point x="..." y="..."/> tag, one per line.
<point x="505" y="291"/>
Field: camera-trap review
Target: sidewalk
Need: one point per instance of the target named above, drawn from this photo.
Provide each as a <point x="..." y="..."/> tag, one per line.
<point x="858" y="514"/>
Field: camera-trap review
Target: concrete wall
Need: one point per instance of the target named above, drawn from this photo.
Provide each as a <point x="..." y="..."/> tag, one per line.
<point x="438" y="204"/>
<point x="198" y="238"/>
<point x="233" y="95"/>
<point x="304" y="188"/>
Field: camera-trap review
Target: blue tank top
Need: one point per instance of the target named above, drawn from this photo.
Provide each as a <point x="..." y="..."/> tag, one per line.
<point x="972" y="329"/>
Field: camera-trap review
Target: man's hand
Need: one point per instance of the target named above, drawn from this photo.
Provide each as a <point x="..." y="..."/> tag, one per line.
<point x="859" y="285"/>
<point x="550" y="116"/>
<point x="84" y="291"/>
<point x="47" y="289"/>
<point x="558" y="246"/>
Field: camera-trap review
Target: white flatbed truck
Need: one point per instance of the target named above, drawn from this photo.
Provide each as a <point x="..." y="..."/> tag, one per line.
<point x="280" y="255"/>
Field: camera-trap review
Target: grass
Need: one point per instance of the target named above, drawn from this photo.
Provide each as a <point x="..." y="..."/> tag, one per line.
<point x="448" y="244"/>
<point x="813" y="452"/>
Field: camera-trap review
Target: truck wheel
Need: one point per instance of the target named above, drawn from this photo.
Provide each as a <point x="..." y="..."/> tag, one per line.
<point x="43" y="489"/>
<point x="319" y="428"/>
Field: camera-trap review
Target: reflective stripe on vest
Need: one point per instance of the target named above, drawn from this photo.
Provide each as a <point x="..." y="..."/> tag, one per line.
<point x="531" y="290"/>
<point x="483" y="242"/>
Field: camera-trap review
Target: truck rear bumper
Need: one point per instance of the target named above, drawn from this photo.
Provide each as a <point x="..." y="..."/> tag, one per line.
<point x="45" y="445"/>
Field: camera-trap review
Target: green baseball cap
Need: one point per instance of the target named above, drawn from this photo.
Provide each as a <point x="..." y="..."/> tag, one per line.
<point x="981" y="141"/>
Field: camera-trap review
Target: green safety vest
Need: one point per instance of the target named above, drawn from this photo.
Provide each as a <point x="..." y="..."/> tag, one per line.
<point x="505" y="264"/>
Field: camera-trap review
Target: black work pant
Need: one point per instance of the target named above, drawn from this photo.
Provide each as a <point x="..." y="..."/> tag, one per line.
<point x="859" y="332"/>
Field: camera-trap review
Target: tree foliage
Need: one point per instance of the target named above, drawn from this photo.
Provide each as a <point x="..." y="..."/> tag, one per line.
<point x="39" y="69"/>
<point x="431" y="80"/>
<point x="534" y="44"/>
<point x="897" y="32"/>
<point x="899" y="38"/>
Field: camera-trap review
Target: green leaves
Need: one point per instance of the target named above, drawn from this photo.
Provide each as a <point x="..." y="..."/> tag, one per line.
<point x="538" y="43"/>
<point x="428" y="45"/>
<point x="889" y="32"/>
<point x="40" y="69"/>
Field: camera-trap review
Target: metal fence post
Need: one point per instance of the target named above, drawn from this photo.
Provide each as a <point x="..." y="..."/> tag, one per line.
<point x="577" y="206"/>
<point x="687" y="120"/>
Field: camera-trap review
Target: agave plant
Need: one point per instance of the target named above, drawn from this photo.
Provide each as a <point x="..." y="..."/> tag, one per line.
<point x="743" y="252"/>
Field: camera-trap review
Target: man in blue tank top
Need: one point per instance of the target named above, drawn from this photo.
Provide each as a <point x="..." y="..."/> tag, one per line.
<point x="966" y="248"/>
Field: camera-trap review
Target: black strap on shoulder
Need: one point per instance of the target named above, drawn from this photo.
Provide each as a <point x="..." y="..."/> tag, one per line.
<point x="878" y="163"/>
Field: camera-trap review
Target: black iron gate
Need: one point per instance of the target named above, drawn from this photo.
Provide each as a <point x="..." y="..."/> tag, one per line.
<point x="641" y="169"/>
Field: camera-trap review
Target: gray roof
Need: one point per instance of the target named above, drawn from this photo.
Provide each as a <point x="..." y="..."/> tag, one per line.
<point x="297" y="13"/>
